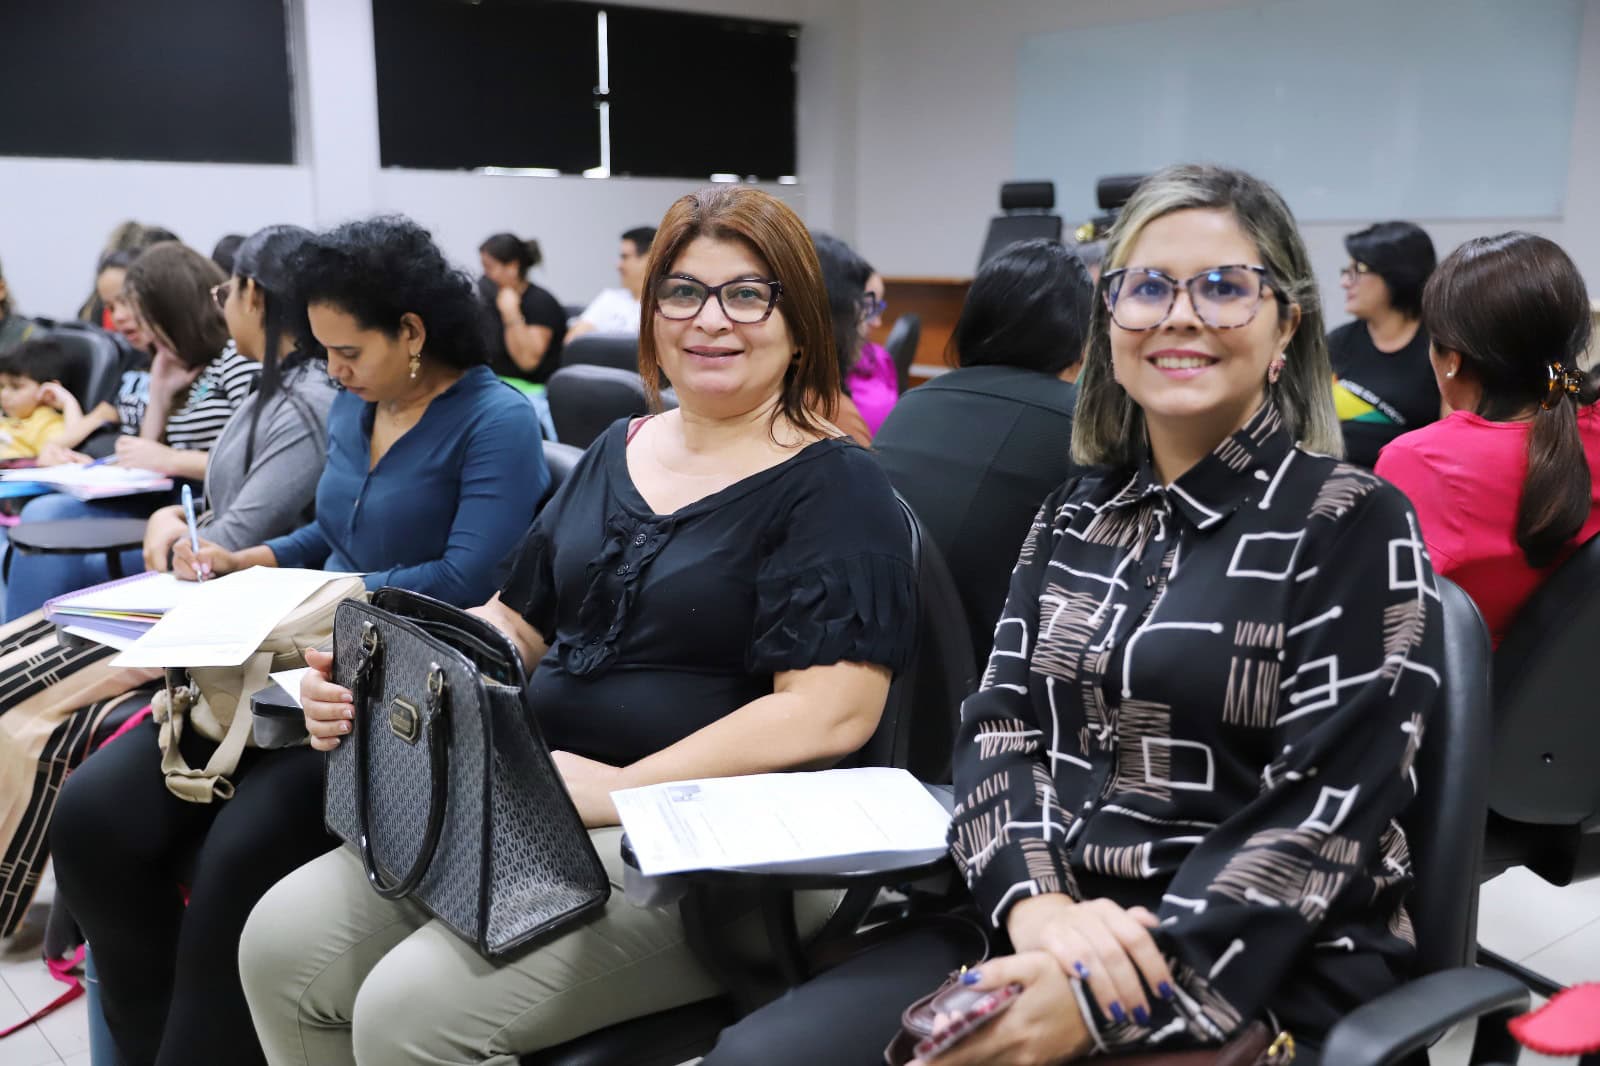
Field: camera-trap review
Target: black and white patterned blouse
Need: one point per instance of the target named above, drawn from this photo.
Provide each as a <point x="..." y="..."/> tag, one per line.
<point x="1205" y="699"/>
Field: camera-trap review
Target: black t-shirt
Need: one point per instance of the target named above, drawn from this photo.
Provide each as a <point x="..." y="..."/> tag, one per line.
<point x="659" y="625"/>
<point x="539" y="308"/>
<point x="975" y="452"/>
<point x="1380" y="395"/>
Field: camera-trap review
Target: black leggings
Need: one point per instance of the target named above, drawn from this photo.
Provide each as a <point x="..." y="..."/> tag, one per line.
<point x="124" y="845"/>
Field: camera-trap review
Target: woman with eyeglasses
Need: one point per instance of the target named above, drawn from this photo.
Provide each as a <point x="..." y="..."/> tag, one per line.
<point x="845" y="275"/>
<point x="197" y="380"/>
<point x="1383" y="380"/>
<point x="719" y="589"/>
<point x="1504" y="484"/>
<point x="874" y="381"/>
<point x="1177" y="786"/>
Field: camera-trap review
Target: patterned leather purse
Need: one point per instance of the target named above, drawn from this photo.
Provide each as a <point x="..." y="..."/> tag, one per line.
<point x="445" y="787"/>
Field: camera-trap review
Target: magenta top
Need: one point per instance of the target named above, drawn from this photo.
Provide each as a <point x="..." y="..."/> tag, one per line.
<point x="874" y="385"/>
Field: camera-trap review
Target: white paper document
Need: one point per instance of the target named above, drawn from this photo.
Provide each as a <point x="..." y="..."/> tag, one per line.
<point x="289" y="681"/>
<point x="224" y="620"/>
<point x="829" y="821"/>
<point x="89" y="482"/>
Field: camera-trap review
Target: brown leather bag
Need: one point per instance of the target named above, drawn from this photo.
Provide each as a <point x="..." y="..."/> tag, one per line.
<point x="1254" y="1045"/>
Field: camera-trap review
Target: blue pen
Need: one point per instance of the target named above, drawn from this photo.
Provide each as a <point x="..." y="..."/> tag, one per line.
<point x="194" y="534"/>
<point x="103" y="462"/>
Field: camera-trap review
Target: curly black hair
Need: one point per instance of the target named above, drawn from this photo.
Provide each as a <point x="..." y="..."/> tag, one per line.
<point x="379" y="269"/>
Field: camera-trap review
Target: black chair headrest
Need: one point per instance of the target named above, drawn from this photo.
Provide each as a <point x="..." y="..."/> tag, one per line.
<point x="1028" y="196"/>
<point x="1111" y="193"/>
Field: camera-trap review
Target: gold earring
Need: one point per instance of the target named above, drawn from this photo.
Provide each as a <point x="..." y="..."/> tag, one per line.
<point x="416" y="365"/>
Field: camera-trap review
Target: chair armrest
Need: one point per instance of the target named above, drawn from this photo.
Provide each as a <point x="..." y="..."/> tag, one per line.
<point x="1406" y="1018"/>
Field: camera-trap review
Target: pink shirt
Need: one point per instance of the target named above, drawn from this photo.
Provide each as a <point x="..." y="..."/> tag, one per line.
<point x="1464" y="475"/>
<point x="874" y="384"/>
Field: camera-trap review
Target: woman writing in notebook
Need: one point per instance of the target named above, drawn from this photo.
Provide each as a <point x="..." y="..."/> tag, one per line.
<point x="423" y="440"/>
<point x="720" y="589"/>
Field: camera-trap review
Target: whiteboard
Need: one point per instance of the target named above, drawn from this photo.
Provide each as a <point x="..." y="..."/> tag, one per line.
<point x="1354" y="109"/>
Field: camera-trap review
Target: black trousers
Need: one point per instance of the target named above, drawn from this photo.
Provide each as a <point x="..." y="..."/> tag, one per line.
<point x="124" y="848"/>
<point x="846" y="1016"/>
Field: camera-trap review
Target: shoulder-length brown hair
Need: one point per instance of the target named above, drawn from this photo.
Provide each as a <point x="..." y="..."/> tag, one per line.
<point x="170" y="288"/>
<point x="775" y="233"/>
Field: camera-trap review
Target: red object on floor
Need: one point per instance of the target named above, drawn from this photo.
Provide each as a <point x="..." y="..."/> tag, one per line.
<point x="65" y="971"/>
<point x="1568" y="1025"/>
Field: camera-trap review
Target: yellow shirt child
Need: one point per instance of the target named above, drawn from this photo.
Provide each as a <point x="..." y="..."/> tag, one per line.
<point x="30" y="395"/>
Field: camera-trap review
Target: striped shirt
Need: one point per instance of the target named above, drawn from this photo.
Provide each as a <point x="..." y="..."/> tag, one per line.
<point x="214" y="396"/>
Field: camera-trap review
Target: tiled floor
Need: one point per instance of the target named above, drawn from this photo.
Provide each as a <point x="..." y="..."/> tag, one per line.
<point x="1555" y="931"/>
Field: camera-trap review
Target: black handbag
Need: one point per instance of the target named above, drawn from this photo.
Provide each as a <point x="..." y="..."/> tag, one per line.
<point x="445" y="787"/>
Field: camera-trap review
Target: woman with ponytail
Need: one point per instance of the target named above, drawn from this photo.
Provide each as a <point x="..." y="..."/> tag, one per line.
<point x="1504" y="486"/>
<point x="527" y="324"/>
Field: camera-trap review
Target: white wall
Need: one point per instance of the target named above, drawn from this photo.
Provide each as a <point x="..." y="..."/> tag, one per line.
<point x="905" y="127"/>
<point x="55" y="214"/>
<point x="936" y="128"/>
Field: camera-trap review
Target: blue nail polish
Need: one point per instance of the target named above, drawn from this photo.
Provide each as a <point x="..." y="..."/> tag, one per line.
<point x="1141" y="1016"/>
<point x="1119" y="1015"/>
<point x="1082" y="970"/>
<point x="1164" y="990"/>
<point x="971" y="977"/>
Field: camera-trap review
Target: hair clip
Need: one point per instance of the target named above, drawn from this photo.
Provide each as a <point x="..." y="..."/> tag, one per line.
<point x="1564" y="381"/>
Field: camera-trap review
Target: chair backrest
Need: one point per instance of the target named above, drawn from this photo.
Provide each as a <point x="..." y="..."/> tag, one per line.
<point x="584" y="400"/>
<point x="1444" y="824"/>
<point x="917" y="730"/>
<point x="1547" y="724"/>
<point x="902" y="346"/>
<point x="1029" y="213"/>
<point x="94" y="360"/>
<point x="559" y="459"/>
<point x="617" y="350"/>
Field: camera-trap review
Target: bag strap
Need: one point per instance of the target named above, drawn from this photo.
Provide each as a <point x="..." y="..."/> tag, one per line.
<point x="434" y="735"/>
<point x="202" y="786"/>
<point x="60" y="970"/>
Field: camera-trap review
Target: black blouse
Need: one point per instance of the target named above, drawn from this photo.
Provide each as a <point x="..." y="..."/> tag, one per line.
<point x="659" y="625"/>
<point x="1206" y="699"/>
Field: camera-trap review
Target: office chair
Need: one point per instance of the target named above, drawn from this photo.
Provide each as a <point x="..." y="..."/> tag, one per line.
<point x="1027" y="212"/>
<point x="902" y="346"/>
<point x="617" y="350"/>
<point x="586" y="399"/>
<point x="1544" y="793"/>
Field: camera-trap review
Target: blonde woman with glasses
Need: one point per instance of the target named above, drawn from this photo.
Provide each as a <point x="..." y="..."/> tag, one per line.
<point x="1177" y="784"/>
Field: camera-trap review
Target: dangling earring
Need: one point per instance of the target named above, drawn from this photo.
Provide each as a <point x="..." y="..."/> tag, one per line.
<point x="1275" y="370"/>
<point x="416" y="365"/>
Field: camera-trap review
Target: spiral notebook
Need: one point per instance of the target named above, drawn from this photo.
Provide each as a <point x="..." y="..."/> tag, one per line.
<point x="118" y="612"/>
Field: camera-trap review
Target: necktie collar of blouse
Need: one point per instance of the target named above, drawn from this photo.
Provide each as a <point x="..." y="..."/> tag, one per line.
<point x="1237" y="471"/>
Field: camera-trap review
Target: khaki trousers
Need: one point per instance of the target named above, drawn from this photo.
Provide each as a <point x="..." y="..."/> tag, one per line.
<point x="336" y="975"/>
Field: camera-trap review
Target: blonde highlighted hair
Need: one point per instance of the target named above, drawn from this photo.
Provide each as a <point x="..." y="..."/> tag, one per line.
<point x="1108" y="427"/>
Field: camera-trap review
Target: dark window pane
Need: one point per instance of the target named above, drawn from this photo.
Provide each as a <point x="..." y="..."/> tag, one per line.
<point x="183" y="80"/>
<point x="696" y="95"/>
<point x="502" y="83"/>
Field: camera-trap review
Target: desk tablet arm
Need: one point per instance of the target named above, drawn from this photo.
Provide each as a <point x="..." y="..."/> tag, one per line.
<point x="705" y="899"/>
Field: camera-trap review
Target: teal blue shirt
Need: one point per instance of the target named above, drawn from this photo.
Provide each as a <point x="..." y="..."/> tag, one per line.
<point x="444" y="505"/>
